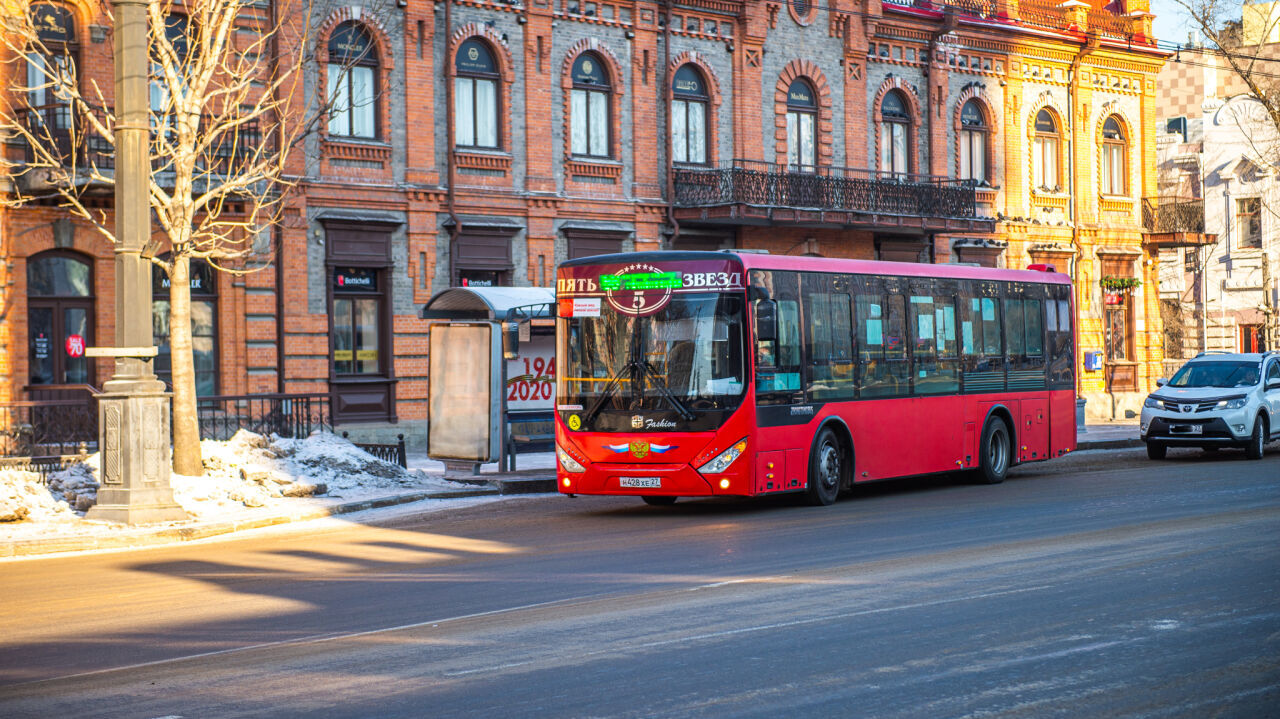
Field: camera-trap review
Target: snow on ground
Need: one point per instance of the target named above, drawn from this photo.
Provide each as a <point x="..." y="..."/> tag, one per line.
<point x="248" y="475"/>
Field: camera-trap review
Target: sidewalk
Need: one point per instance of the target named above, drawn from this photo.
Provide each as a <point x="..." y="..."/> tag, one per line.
<point x="536" y="473"/>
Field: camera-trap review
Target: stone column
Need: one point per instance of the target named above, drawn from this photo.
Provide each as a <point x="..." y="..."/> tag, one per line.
<point x="133" y="410"/>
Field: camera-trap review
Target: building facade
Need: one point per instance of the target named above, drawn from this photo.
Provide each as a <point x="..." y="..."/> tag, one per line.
<point x="480" y="142"/>
<point x="1219" y="153"/>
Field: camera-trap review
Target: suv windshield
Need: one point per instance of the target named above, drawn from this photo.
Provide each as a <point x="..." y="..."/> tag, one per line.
<point x="1216" y="374"/>
<point x="686" y="357"/>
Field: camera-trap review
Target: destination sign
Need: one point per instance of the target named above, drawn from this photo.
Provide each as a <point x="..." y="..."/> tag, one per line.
<point x="642" y="281"/>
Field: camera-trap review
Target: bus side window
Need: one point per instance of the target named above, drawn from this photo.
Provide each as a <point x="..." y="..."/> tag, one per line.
<point x="830" y="346"/>
<point x="780" y="384"/>
<point x="933" y="325"/>
<point x="1061" y="354"/>
<point x="982" y="350"/>
<point x="1033" y="321"/>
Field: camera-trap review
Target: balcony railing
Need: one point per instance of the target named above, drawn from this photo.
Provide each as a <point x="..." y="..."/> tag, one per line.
<point x="761" y="184"/>
<point x="69" y="136"/>
<point x="1167" y="214"/>
<point x="977" y="8"/>
<point x="66" y="132"/>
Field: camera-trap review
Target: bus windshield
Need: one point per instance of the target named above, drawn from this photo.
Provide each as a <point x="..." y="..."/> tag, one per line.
<point x="684" y="359"/>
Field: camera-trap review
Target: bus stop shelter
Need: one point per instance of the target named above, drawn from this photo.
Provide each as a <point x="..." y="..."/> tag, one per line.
<point x="529" y="400"/>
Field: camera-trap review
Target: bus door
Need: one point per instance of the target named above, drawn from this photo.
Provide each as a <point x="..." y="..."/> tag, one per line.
<point x="937" y="408"/>
<point x="783" y="413"/>
<point x="1025" y="350"/>
<point x="887" y="433"/>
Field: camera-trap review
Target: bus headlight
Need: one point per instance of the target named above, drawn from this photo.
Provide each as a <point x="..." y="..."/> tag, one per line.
<point x="568" y="463"/>
<point x="725" y="458"/>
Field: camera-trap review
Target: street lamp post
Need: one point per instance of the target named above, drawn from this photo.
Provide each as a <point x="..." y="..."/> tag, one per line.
<point x="133" y="410"/>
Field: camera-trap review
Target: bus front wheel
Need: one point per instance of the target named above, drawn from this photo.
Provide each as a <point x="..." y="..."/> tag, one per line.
<point x="826" y="469"/>
<point x="994" y="452"/>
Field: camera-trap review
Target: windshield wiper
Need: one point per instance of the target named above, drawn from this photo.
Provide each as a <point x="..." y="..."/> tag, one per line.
<point x="608" y="390"/>
<point x="666" y="393"/>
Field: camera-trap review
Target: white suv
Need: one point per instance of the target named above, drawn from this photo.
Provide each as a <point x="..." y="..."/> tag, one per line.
<point x="1216" y="400"/>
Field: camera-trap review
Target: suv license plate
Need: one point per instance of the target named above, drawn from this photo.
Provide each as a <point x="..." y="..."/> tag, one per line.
<point x="641" y="482"/>
<point x="1188" y="429"/>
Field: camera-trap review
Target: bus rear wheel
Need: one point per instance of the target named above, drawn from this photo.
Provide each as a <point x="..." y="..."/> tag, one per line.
<point x="826" y="469"/>
<point x="994" y="452"/>
<point x="658" y="500"/>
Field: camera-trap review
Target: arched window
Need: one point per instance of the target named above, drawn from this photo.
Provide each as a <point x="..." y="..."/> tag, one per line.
<point x="204" y="328"/>
<point x="1114" y="152"/>
<point x="1045" y="152"/>
<point x="475" y="96"/>
<point x="894" y="121"/>
<point x="973" y="142"/>
<point x="802" y="115"/>
<point x="688" y="116"/>
<point x="589" y="107"/>
<point x="59" y="318"/>
<point x="353" y="72"/>
<point x="51" y="66"/>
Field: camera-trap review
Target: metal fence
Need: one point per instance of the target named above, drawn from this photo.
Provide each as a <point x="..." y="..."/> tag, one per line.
<point x="393" y="453"/>
<point x="48" y="427"/>
<point x="288" y="415"/>
<point x="824" y="188"/>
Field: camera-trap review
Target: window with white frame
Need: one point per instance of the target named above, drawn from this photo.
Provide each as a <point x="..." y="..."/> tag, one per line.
<point x="973" y="142"/>
<point x="475" y="96"/>
<point x="894" y="123"/>
<point x="589" y="107"/>
<point x="353" y="71"/>
<point x="1114" y="153"/>
<point x="802" y="114"/>
<point x="688" y="116"/>
<point x="1045" y="152"/>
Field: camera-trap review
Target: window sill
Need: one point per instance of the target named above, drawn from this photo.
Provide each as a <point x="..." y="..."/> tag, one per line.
<point x="481" y="159"/>
<point x="347" y="148"/>
<point x="602" y="167"/>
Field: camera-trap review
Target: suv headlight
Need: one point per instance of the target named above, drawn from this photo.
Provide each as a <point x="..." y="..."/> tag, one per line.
<point x="1151" y="403"/>
<point x="569" y="463"/>
<point x="1236" y="403"/>
<point x="725" y="458"/>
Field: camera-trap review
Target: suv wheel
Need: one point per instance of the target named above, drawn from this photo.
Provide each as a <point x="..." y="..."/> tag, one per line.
<point x="1259" y="437"/>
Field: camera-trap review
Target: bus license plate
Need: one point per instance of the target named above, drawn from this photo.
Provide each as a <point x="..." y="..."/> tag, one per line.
<point x="1188" y="429"/>
<point x="641" y="482"/>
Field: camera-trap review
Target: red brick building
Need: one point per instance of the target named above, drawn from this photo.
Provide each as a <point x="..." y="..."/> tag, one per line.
<point x="917" y="131"/>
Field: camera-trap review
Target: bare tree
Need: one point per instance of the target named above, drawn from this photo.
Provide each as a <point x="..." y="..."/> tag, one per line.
<point x="222" y="73"/>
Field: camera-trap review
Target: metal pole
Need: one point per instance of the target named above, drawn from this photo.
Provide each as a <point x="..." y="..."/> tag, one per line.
<point x="133" y="410"/>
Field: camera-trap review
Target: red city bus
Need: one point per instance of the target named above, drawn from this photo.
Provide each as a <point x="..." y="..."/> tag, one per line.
<point x="692" y="374"/>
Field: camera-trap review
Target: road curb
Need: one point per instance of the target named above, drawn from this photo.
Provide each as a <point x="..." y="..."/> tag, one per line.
<point x="172" y="535"/>
<point x="1085" y="445"/>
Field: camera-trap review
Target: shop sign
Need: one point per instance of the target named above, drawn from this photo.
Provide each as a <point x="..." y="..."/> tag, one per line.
<point x="75" y="345"/>
<point x="42" y="346"/>
<point x="355" y="279"/>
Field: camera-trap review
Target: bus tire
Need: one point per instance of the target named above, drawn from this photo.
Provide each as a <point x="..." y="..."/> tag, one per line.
<point x="826" y="469"/>
<point x="994" y="453"/>
<point x="658" y="500"/>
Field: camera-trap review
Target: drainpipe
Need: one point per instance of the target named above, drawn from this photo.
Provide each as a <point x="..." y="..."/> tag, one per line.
<point x="277" y="234"/>
<point x="449" y="72"/>
<point x="1091" y="43"/>
<point x="666" y="94"/>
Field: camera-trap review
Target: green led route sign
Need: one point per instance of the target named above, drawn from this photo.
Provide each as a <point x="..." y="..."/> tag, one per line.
<point x="643" y="281"/>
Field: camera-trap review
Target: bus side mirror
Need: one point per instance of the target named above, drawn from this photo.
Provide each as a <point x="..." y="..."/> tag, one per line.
<point x="766" y="321"/>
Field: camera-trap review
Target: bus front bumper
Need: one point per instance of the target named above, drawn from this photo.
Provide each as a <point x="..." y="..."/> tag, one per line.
<point x="675" y="480"/>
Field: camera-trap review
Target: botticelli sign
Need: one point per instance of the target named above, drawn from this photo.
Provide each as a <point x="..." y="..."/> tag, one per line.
<point x="355" y="279"/>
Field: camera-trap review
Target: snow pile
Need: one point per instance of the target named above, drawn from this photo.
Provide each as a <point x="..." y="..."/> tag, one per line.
<point x="244" y="472"/>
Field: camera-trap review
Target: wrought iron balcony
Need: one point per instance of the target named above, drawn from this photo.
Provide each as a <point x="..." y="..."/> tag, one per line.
<point x="67" y="133"/>
<point x="751" y="192"/>
<point x="1175" y="222"/>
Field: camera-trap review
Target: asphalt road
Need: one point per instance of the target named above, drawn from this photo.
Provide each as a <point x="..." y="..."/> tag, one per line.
<point x="1100" y="584"/>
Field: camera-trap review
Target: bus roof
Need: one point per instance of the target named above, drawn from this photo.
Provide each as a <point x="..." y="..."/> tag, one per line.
<point x="752" y="260"/>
